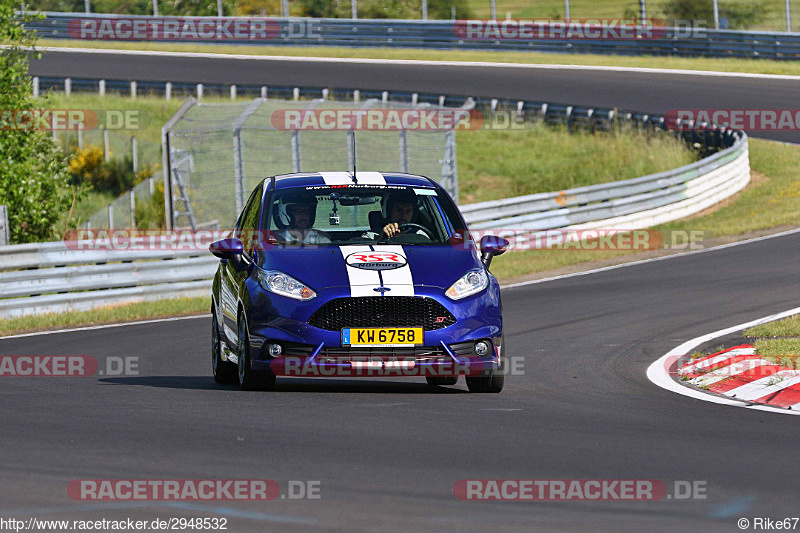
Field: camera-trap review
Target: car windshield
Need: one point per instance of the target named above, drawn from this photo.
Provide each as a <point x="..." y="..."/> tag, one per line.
<point x="335" y="216"/>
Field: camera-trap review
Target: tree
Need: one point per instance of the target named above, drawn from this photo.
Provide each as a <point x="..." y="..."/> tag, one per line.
<point x="34" y="183"/>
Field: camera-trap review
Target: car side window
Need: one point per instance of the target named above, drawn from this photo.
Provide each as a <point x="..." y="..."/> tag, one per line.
<point x="246" y="226"/>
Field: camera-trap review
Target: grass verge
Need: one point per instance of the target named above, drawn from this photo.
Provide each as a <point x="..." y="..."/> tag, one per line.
<point x="772" y="199"/>
<point x="778" y="341"/>
<point x="759" y="66"/>
<point x="107" y="315"/>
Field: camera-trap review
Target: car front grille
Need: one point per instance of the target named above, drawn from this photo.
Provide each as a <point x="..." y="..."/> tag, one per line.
<point x="382" y="312"/>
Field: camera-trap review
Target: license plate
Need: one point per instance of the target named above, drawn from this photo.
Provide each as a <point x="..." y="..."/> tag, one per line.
<point x="381" y="336"/>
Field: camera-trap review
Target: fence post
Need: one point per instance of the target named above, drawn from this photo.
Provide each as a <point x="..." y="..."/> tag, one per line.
<point x="296" y="94"/>
<point x="356" y="96"/>
<point x="199" y="91"/>
<point x="385" y="97"/>
<point x="101" y="87"/>
<point x="80" y="136"/>
<point x="135" y="154"/>
<point x="3" y="225"/>
<point x="449" y="168"/>
<point x="67" y="86"/>
<point x="110" y="216"/>
<point x="133" y="90"/>
<point x="133" y="209"/>
<point x="404" y="151"/>
<point x="36" y="86"/>
<point x="297" y="161"/>
<point x="106" y="147"/>
<point x="233" y="92"/>
<point x="264" y="92"/>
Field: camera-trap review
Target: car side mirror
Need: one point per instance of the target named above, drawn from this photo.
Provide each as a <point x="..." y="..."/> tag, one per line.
<point x="492" y="246"/>
<point x="230" y="249"/>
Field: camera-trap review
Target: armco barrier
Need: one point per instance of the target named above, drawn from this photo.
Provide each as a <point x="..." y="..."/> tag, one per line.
<point x="52" y="277"/>
<point x="441" y="35"/>
<point x="630" y="204"/>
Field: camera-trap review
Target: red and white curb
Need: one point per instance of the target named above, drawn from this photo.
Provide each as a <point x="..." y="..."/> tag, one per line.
<point x="736" y="376"/>
<point x="740" y="373"/>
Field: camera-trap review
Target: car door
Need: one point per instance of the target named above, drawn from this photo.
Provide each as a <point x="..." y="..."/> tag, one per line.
<point x="230" y="280"/>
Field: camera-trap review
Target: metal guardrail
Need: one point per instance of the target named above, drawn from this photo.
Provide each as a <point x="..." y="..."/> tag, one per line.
<point x="52" y="277"/>
<point x="630" y="204"/>
<point x="441" y="35"/>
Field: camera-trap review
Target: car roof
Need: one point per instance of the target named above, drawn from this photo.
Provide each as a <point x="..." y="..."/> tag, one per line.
<point x="306" y="179"/>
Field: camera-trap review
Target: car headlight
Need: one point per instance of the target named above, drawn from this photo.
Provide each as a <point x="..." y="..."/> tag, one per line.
<point x="470" y="283"/>
<point x="284" y="284"/>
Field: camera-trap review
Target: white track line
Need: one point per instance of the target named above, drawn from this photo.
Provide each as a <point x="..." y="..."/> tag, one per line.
<point x="657" y="372"/>
<point x="469" y="64"/>
<point x="554" y="278"/>
<point x="105" y="326"/>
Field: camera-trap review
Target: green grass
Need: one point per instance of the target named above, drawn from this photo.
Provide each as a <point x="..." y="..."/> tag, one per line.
<point x="778" y="341"/>
<point x="785" y="352"/>
<point x="788" y="327"/>
<point x="501" y="164"/>
<point x="107" y="315"/>
<point x="760" y="66"/>
<point x="91" y="203"/>
<point x="772" y="201"/>
<point x="775" y="19"/>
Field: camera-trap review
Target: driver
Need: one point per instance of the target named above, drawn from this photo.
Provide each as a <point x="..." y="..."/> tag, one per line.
<point x="302" y="210"/>
<point x="400" y="208"/>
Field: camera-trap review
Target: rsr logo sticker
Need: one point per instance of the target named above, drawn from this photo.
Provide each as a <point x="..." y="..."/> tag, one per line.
<point x="376" y="260"/>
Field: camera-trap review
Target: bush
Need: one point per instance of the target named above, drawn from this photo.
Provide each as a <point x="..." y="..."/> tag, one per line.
<point x="34" y="182"/>
<point x="88" y="167"/>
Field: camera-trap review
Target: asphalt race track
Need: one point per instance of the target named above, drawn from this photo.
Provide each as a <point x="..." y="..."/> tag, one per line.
<point x="633" y="91"/>
<point x="387" y="453"/>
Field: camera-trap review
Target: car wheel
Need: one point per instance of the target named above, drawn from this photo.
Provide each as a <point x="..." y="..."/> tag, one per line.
<point x="224" y="371"/>
<point x="490" y="381"/>
<point x="440" y="381"/>
<point x="250" y="379"/>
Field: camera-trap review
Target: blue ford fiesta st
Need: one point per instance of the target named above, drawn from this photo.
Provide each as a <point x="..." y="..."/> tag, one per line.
<point x="375" y="274"/>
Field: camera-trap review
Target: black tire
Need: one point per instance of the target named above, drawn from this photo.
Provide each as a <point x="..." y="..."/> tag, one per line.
<point x="490" y="382"/>
<point x="441" y="381"/>
<point x="250" y="379"/>
<point x="223" y="371"/>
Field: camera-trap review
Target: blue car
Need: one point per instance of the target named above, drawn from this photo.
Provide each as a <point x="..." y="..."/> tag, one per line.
<point x="332" y="274"/>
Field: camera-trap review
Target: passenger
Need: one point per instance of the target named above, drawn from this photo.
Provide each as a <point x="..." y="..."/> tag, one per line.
<point x="302" y="210"/>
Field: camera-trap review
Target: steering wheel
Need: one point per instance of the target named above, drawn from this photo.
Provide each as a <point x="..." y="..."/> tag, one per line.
<point x="410" y="225"/>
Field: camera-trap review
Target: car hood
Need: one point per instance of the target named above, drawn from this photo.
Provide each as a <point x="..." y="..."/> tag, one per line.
<point x="366" y="267"/>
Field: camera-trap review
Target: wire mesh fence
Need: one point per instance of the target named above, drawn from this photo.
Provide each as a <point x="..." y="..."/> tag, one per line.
<point x="217" y="153"/>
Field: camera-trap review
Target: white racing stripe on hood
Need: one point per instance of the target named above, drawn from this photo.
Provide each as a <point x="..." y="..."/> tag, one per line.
<point x="370" y="178"/>
<point x="362" y="282"/>
<point x="399" y="279"/>
<point x="336" y="178"/>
